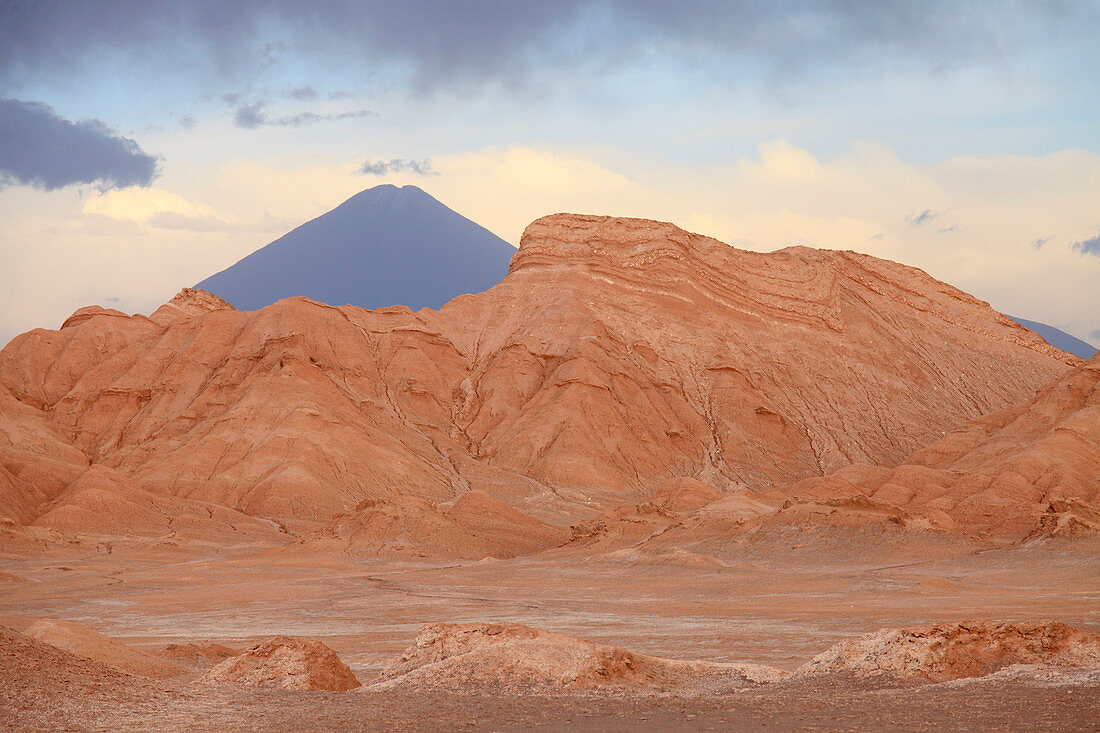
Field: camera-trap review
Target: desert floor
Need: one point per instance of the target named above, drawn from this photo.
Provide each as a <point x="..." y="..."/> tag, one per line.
<point x="777" y="601"/>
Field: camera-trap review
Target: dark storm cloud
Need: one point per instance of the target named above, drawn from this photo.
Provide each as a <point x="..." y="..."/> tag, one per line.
<point x="398" y="165"/>
<point x="1088" y="246"/>
<point x="38" y="148"/>
<point x="251" y="116"/>
<point x="446" y="41"/>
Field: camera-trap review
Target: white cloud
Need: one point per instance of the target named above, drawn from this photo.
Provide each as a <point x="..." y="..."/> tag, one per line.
<point x="154" y="206"/>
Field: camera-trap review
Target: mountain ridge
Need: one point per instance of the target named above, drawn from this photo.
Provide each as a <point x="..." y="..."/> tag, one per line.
<point x="618" y="355"/>
<point x="1058" y="338"/>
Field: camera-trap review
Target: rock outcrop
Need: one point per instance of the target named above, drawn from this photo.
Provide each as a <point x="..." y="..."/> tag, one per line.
<point x="475" y="526"/>
<point x="198" y="656"/>
<point x="288" y="663"/>
<point x="516" y="659"/>
<point x="952" y="651"/>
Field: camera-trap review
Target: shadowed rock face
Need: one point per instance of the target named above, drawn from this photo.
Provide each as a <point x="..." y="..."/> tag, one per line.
<point x="617" y="355"/>
<point x="384" y="246"/>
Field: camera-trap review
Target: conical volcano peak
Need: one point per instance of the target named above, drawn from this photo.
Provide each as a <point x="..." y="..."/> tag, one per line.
<point x="389" y="194"/>
<point x="384" y="246"/>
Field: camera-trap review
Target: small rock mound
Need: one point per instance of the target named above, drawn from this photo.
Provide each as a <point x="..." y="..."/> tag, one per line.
<point x="516" y="659"/>
<point x="288" y="663"/>
<point x="198" y="655"/>
<point x="90" y="644"/>
<point x="953" y="651"/>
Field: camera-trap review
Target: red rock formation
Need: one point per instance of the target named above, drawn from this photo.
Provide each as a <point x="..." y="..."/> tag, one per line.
<point x="1030" y="469"/>
<point x="512" y="658"/>
<point x="619" y="354"/>
<point x="288" y="663"/>
<point x="952" y="651"/>
<point x="89" y="644"/>
<point x="475" y="526"/>
<point x="198" y="656"/>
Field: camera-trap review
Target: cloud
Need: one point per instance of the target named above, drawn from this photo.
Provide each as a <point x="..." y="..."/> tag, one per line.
<point x="1038" y="243"/>
<point x="443" y="42"/>
<point x="252" y="115"/>
<point x="948" y="230"/>
<point x="303" y="93"/>
<point x="94" y="225"/>
<point x="1088" y="246"/>
<point x="398" y="165"/>
<point x="39" y="148"/>
<point x="922" y="218"/>
<point x="153" y="206"/>
<point x="188" y="222"/>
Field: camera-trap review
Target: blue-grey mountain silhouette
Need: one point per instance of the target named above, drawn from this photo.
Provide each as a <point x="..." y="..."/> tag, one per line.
<point x="1060" y="339"/>
<point x="383" y="246"/>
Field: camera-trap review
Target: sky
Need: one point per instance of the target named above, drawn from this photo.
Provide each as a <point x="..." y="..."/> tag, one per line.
<point x="146" y="145"/>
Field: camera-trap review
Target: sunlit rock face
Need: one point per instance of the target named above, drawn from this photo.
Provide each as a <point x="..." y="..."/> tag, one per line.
<point x="617" y="356"/>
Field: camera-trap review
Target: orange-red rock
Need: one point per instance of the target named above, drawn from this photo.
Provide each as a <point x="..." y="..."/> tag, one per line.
<point x="513" y="658"/>
<point x="951" y="651"/>
<point x="1030" y="469"/>
<point x="475" y="526"/>
<point x="85" y="642"/>
<point x="617" y="356"/>
<point x="288" y="663"/>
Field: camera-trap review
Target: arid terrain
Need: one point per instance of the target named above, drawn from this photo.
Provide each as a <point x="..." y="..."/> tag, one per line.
<point x="647" y="481"/>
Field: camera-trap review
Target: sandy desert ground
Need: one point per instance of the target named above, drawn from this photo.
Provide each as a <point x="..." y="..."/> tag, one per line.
<point x="777" y="601"/>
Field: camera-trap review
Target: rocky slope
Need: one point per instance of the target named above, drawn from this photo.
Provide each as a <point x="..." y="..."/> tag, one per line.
<point x="90" y="644"/>
<point x="1026" y="471"/>
<point x="617" y="356"/>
